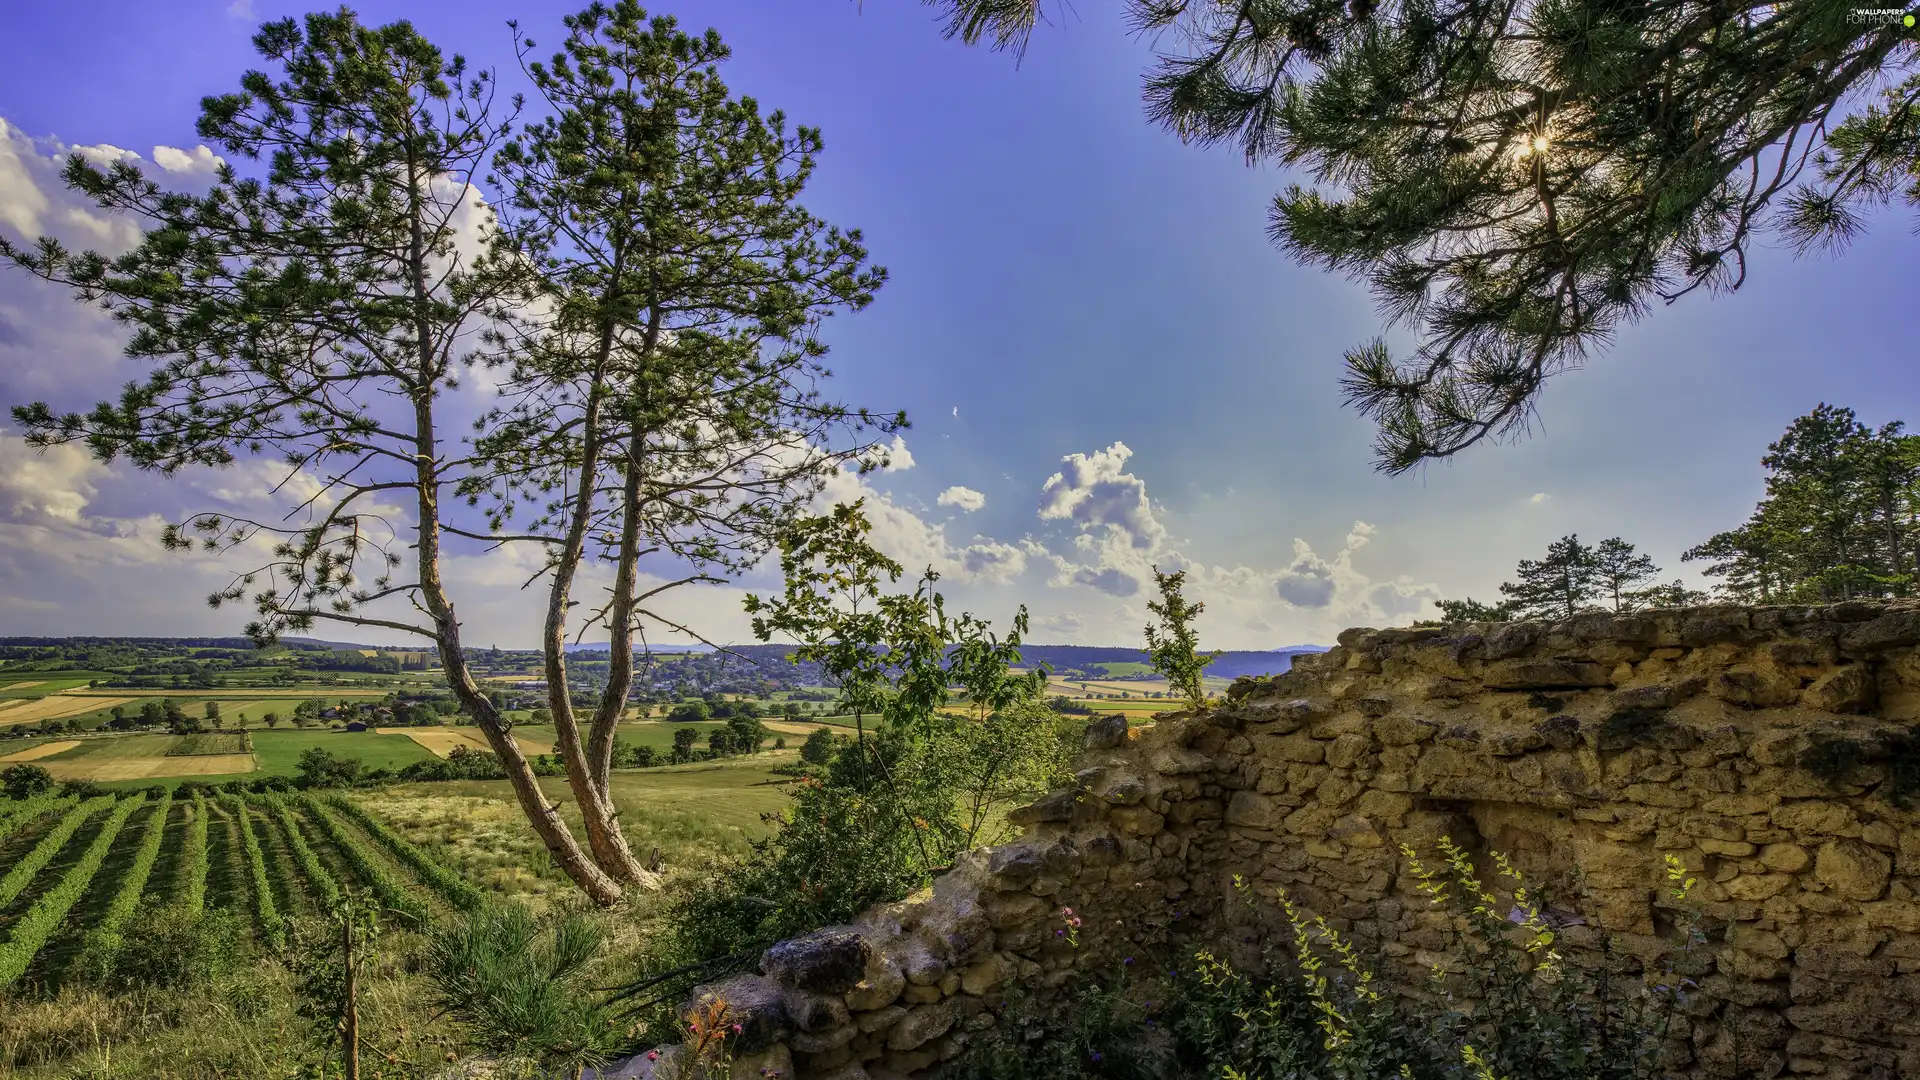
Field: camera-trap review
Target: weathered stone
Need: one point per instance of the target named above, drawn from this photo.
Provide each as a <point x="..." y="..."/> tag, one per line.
<point x="1545" y="674"/>
<point x="878" y="988"/>
<point x="986" y="975"/>
<point x="1302" y="748"/>
<point x="754" y="1003"/>
<point x="1175" y="761"/>
<point x="1848" y="690"/>
<point x="828" y="961"/>
<point x="1559" y="732"/>
<point x="1785" y="858"/>
<point x="1404" y="731"/>
<point x="1055" y="806"/>
<point x="1884" y="632"/>
<point x="1137" y="820"/>
<point x="1106" y="733"/>
<point x="1852" y="869"/>
<point x="919" y="1026"/>
<point x="817" y="1012"/>
<point x="1251" y="810"/>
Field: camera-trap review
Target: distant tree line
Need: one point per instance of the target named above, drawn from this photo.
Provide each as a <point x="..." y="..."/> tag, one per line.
<point x="1840" y="521"/>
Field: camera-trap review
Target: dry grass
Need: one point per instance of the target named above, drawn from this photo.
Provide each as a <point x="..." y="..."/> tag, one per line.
<point x="441" y="741"/>
<point x="791" y="727"/>
<point x="25" y="685"/>
<point x="43" y="750"/>
<point x="148" y="768"/>
<point x="55" y="706"/>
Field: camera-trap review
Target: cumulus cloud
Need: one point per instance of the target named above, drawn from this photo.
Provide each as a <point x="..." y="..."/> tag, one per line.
<point x="965" y="498"/>
<point x="1538" y="497"/>
<point x="990" y="560"/>
<point x="1307" y="581"/>
<point x="198" y="160"/>
<point x="917" y="543"/>
<point x="51" y="485"/>
<point x="1068" y="623"/>
<point x="1095" y="490"/>
<point x="1110" y="580"/>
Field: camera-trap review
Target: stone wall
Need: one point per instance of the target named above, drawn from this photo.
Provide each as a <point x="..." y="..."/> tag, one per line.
<point x="1587" y="750"/>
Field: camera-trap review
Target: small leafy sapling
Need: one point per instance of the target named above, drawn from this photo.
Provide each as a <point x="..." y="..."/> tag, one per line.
<point x="1172" y="646"/>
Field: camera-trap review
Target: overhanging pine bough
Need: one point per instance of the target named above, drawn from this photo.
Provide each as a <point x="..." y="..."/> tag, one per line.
<point x="1516" y="181"/>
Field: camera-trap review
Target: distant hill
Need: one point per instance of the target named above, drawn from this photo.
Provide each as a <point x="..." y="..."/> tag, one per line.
<point x="1230" y="665"/>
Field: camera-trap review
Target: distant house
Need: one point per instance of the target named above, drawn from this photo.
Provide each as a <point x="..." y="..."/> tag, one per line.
<point x="531" y="684"/>
<point x="355" y="725"/>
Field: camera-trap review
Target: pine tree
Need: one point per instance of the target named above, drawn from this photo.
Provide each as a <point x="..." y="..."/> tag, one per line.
<point x="1620" y="572"/>
<point x="1518" y="181"/>
<point x="1558" y="586"/>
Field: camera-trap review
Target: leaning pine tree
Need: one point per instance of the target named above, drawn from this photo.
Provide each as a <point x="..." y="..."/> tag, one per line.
<point x="320" y="309"/>
<point x="660" y="384"/>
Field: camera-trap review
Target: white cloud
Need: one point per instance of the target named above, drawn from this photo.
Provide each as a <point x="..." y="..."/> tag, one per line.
<point x="50" y="485"/>
<point x="896" y="457"/>
<point x="1095" y="490"/>
<point x="990" y="560"/>
<point x="967" y="499"/>
<point x="241" y="9"/>
<point x="106" y="154"/>
<point x="1067" y="623"/>
<point x="1307" y="581"/>
<point x="198" y="160"/>
<point x="1109" y="580"/>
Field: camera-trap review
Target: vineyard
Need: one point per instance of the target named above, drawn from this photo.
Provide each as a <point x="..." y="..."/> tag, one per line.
<point x="80" y="871"/>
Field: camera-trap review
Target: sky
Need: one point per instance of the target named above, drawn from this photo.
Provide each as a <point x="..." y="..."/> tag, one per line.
<point x="1107" y="364"/>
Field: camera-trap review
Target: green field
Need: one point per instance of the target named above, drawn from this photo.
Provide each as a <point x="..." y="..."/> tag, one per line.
<point x="279" y="751"/>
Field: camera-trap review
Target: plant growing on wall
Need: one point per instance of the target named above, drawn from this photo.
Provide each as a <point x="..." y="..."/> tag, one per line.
<point x="1173" y="646"/>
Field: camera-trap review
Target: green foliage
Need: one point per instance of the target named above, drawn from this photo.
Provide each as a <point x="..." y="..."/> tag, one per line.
<point x="318" y="768"/>
<point x="518" y="986"/>
<point x="1838" y="520"/>
<point x="820" y="746"/>
<point x="265" y="911"/>
<point x="318" y="877"/>
<point x="451" y="886"/>
<point x="326" y="957"/>
<point x="103" y="940"/>
<point x="193" y="857"/>
<point x="371" y="870"/>
<point x="176" y="948"/>
<point x="22" y="782"/>
<point x="899" y="802"/>
<point x="1172" y="646"/>
<point x="19" y="815"/>
<point x="21" y="873"/>
<point x="31" y="930"/>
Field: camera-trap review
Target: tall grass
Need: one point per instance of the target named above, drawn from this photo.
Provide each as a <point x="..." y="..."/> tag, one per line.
<point x="448" y="884"/>
<point x="371" y="871"/>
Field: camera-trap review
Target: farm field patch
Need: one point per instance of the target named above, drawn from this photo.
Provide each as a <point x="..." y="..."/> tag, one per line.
<point x="108" y="769"/>
<point x="58" y="707"/>
<point x="441" y="741"/>
<point x="34" y="753"/>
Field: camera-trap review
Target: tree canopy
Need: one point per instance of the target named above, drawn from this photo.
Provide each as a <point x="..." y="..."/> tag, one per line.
<point x="1518" y="180"/>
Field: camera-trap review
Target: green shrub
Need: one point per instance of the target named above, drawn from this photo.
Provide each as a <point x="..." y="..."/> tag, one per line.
<point x="193" y="857"/>
<point x="23" y="782"/>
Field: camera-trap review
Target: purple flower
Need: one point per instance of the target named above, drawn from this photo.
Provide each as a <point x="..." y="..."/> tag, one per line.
<point x="1096" y="1055"/>
<point x="1128" y="960"/>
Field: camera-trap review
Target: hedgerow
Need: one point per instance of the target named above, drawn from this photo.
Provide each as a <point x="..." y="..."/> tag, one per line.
<point x="103" y="941"/>
<point x="30" y="934"/>
<point x="448" y="884"/>
<point x="391" y="894"/>
<point x="19" y="815"/>
<point x="193" y="858"/>
<point x="311" y="867"/>
<point x="43" y="852"/>
<point x="263" y="905"/>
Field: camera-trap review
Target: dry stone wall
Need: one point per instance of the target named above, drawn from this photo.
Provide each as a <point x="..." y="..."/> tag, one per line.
<point x="1768" y="749"/>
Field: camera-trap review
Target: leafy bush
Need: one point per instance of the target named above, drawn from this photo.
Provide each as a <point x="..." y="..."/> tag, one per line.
<point x="177" y="948"/>
<point x="31" y="931"/>
<point x="23" y="782"/>
<point x="319" y="768"/>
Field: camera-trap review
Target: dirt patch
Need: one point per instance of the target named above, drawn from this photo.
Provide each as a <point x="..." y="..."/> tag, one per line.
<point x="23" y="685"/>
<point x="55" y="706"/>
<point x="441" y="741"/>
<point x="43" y="750"/>
<point x="148" y="768"/>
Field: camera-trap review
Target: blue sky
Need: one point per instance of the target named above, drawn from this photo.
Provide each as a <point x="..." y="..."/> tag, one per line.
<point x="1066" y="280"/>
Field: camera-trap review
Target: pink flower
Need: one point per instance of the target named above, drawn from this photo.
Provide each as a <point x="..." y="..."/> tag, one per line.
<point x="736" y="1029"/>
<point x="653" y="1055"/>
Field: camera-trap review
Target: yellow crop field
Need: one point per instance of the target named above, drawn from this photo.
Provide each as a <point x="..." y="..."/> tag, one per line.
<point x="441" y="741"/>
<point x="789" y="727"/>
<point x="56" y="706"/>
<point x="25" y="685"/>
<point x="43" y="750"/>
<point x="149" y="768"/>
